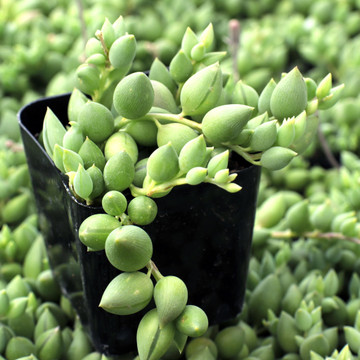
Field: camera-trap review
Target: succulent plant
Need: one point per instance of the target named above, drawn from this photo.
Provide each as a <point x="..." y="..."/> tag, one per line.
<point x="200" y="117"/>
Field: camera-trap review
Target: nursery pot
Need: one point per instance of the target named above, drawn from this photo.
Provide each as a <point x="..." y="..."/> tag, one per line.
<point x="202" y="234"/>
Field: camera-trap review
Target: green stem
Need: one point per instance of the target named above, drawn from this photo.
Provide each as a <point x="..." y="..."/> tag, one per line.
<point x="288" y="234"/>
<point x="178" y="118"/>
<point x="125" y="219"/>
<point x="104" y="84"/>
<point x="154" y="270"/>
<point x="153" y="189"/>
<point x="100" y="37"/>
<point x="251" y="158"/>
<point x="137" y="191"/>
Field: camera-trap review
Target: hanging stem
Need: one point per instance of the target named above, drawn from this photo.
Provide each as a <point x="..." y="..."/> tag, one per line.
<point x="154" y="270"/>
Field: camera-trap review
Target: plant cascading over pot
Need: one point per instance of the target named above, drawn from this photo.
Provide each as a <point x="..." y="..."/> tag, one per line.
<point x="133" y="138"/>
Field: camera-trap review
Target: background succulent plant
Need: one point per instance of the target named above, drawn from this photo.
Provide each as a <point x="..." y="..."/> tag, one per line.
<point x="327" y="198"/>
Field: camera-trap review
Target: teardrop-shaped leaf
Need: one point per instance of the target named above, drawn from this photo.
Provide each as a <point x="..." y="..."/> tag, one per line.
<point x="207" y="36"/>
<point x="58" y="157"/>
<point x="92" y="155"/>
<point x="76" y="101"/>
<point x="83" y="184"/>
<point x="170" y="295"/>
<point x="71" y="160"/>
<point x="192" y="154"/>
<point x="54" y="131"/>
<point x="218" y="162"/>
<point x="153" y="342"/>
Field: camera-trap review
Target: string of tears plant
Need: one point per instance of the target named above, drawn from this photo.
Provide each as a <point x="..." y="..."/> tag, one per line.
<point x="146" y="134"/>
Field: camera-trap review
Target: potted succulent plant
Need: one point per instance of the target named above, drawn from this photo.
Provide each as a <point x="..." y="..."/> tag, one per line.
<point x="137" y="179"/>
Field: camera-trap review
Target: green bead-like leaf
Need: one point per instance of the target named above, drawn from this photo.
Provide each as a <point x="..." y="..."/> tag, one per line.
<point x="114" y="203"/>
<point x="224" y="123"/>
<point x="93" y="46"/>
<point x="119" y="171"/>
<point x="196" y="175"/>
<point x="258" y="312"/>
<point x="133" y="96"/>
<point x="264" y="136"/>
<point x="201" y="348"/>
<point x="228" y="341"/>
<point x="108" y="33"/>
<point x="159" y="72"/>
<point x="76" y="101"/>
<point x="128" y="248"/>
<point x="207" y="37"/>
<point x="192" y="321"/>
<point x="92" y="155"/>
<point x="97" y="180"/>
<point x="192" y="154"/>
<point x="188" y="41"/>
<point x="286" y="133"/>
<point x="71" y="160"/>
<point x="180" y="67"/>
<point x="324" y="87"/>
<point x="142" y="210"/>
<point x="163" y="98"/>
<point x="218" y="162"/>
<point x="317" y="343"/>
<point x="177" y="134"/>
<point x="96" y="121"/>
<point x="83" y="184"/>
<point x="127" y="293"/>
<point x="95" y="229"/>
<point x="198" y="52"/>
<point x="119" y="26"/>
<point x="152" y="343"/>
<point x="121" y="141"/>
<point x="73" y="138"/>
<point x="17" y="307"/>
<point x="45" y="322"/>
<point x="58" y="156"/>
<point x="298" y="217"/>
<point x="286" y="331"/>
<point x="6" y="333"/>
<point x="53" y="131"/>
<point x="201" y="91"/>
<point x="265" y="96"/>
<point x="122" y="53"/>
<point x="277" y="157"/>
<point x="142" y="131"/>
<point x="245" y="94"/>
<point x="163" y="164"/>
<point x="49" y="345"/>
<point x="170" y="295"/>
<point x="88" y="78"/>
<point x="19" y="346"/>
<point x="96" y="60"/>
<point x="289" y="97"/>
<point x="4" y="302"/>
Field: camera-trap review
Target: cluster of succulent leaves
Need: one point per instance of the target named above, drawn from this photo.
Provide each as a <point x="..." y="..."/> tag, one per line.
<point x="158" y="25"/>
<point x="36" y="321"/>
<point x="313" y="314"/>
<point x="151" y="133"/>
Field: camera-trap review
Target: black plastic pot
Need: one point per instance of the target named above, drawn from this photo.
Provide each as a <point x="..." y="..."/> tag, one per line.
<point x="201" y="234"/>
